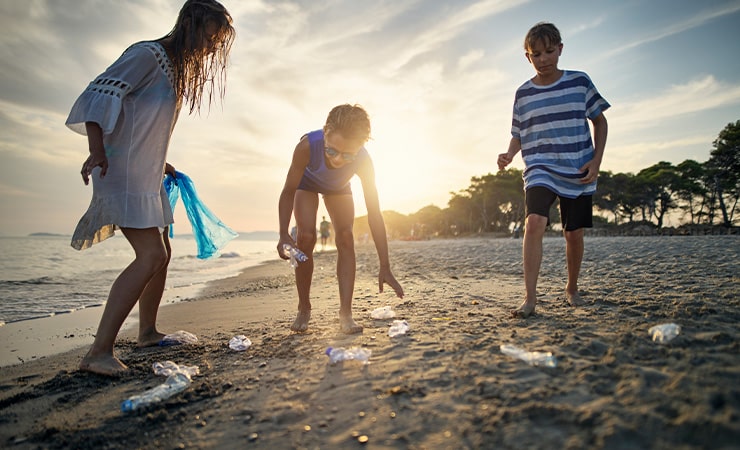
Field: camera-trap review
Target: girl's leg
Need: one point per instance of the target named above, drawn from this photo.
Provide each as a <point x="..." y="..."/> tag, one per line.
<point x="305" y="205"/>
<point x="150" y="300"/>
<point x="151" y="255"/>
<point x="342" y="211"/>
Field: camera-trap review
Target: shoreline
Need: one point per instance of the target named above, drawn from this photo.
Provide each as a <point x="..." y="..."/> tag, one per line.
<point x="445" y="384"/>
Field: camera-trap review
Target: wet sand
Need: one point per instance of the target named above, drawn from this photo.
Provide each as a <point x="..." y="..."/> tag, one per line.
<point x="445" y="384"/>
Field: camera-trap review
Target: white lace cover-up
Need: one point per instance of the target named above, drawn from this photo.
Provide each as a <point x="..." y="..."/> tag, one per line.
<point x="134" y="103"/>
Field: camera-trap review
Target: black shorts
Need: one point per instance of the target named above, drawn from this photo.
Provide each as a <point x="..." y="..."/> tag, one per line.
<point x="309" y="185"/>
<point x="575" y="213"/>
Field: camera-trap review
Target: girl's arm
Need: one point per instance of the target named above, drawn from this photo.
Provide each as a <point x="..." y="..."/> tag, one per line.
<point x="97" y="156"/>
<point x="298" y="165"/>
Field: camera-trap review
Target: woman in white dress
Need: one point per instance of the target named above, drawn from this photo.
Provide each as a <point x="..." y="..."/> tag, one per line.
<point x="128" y="114"/>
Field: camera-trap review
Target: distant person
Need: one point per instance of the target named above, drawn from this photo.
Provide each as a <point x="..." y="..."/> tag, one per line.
<point x="324" y="231"/>
<point x="550" y="127"/>
<point x="128" y="114"/>
<point x="323" y="162"/>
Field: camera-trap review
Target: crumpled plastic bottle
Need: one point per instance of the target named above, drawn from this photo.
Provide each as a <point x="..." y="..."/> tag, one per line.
<point x="664" y="332"/>
<point x="296" y="255"/>
<point x="239" y="343"/>
<point x="167" y="368"/>
<point x="398" y="328"/>
<point x="178" y="379"/>
<point x="178" y="338"/>
<point x="384" y="312"/>
<point x="546" y="359"/>
<point x="346" y="354"/>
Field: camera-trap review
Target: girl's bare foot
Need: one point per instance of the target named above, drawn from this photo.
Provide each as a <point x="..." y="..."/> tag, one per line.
<point x="524" y="310"/>
<point x="301" y="321"/>
<point x="574" y="299"/>
<point x="107" y="365"/>
<point x="348" y="325"/>
<point x="151" y="339"/>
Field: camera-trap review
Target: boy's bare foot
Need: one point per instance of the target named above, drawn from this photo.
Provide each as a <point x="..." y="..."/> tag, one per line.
<point x="301" y="321"/>
<point x="524" y="310"/>
<point x="149" y="340"/>
<point x="574" y="299"/>
<point x="107" y="365"/>
<point x="348" y="325"/>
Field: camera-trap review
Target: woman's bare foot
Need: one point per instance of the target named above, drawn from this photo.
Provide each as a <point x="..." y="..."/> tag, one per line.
<point x="524" y="310"/>
<point x="107" y="365"/>
<point x="574" y="299"/>
<point x="151" y="339"/>
<point x="348" y="325"/>
<point x="301" y="321"/>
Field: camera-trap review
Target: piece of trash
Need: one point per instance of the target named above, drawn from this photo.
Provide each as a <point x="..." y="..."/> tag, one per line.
<point x="346" y="354"/>
<point x="398" y="328"/>
<point x="664" y="332"/>
<point x="178" y="338"/>
<point x="175" y="383"/>
<point x="167" y="368"/>
<point x="240" y="343"/>
<point x="384" y="312"/>
<point x="295" y="254"/>
<point x="532" y="358"/>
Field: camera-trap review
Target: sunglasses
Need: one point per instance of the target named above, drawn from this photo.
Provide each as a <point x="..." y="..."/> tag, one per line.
<point x="331" y="152"/>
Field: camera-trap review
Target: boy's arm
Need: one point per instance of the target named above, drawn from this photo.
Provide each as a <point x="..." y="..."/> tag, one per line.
<point x="504" y="159"/>
<point x="591" y="168"/>
<point x="377" y="227"/>
<point x="300" y="160"/>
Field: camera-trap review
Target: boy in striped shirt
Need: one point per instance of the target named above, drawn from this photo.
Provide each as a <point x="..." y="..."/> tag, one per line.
<point x="550" y="127"/>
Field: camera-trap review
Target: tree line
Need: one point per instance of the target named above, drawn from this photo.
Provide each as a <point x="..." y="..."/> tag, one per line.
<point x="697" y="194"/>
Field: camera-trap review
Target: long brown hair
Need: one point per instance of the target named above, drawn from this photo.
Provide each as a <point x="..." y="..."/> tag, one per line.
<point x="199" y="69"/>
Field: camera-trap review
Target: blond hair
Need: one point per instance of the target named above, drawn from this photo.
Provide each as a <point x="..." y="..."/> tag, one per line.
<point x="198" y="69"/>
<point x="543" y="31"/>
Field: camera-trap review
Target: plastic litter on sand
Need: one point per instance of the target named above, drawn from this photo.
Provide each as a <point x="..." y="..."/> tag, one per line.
<point x="665" y="332"/>
<point x="532" y="358"/>
<point x="240" y="343"/>
<point x="384" y="312"/>
<point x="178" y="338"/>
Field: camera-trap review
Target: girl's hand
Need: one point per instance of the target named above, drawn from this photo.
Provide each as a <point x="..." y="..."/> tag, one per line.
<point x="385" y="276"/>
<point x="169" y="169"/>
<point x="94" y="160"/>
<point x="285" y="240"/>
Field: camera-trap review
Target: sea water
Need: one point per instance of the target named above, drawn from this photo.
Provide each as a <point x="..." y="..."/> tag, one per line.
<point x="41" y="276"/>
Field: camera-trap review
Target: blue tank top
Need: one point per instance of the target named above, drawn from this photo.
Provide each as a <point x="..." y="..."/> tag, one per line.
<point x="327" y="178"/>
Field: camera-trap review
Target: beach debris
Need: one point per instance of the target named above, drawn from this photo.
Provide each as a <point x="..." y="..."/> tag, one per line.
<point x="546" y="359"/>
<point x="167" y="368"/>
<point x="398" y="328"/>
<point x="384" y="312"/>
<point x="346" y="354"/>
<point x="295" y="254"/>
<point x="239" y="343"/>
<point x="664" y="332"/>
<point x="178" y="379"/>
<point x="180" y="337"/>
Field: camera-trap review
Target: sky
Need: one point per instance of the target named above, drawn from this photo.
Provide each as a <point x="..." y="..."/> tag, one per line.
<point x="437" y="78"/>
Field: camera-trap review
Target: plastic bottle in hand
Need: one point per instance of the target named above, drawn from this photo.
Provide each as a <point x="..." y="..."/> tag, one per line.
<point x="175" y="383"/>
<point x="296" y="255"/>
<point x="345" y="354"/>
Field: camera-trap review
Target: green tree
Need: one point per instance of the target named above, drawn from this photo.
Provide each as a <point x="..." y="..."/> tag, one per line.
<point x="723" y="171"/>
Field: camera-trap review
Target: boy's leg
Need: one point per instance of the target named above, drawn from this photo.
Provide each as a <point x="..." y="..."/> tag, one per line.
<point x="150" y="300"/>
<point x="305" y="205"/>
<point x="151" y="255"/>
<point x="538" y="202"/>
<point x="576" y="214"/>
<point x="532" y="256"/>
<point x="341" y="209"/>
<point x="573" y="257"/>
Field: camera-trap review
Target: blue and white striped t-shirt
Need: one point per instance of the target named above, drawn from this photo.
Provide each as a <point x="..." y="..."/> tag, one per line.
<point x="552" y="124"/>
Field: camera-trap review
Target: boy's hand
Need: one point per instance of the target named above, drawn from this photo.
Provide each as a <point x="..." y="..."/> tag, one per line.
<point x="385" y="276"/>
<point x="504" y="160"/>
<point x="591" y="169"/>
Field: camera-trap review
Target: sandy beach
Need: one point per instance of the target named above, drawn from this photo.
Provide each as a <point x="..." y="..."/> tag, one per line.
<point x="445" y="384"/>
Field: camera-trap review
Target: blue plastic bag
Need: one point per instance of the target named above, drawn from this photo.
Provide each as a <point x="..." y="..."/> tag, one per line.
<point x="209" y="232"/>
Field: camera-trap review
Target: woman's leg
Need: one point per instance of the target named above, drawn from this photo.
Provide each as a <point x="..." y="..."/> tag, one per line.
<point x="151" y="256"/>
<point x="150" y="300"/>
